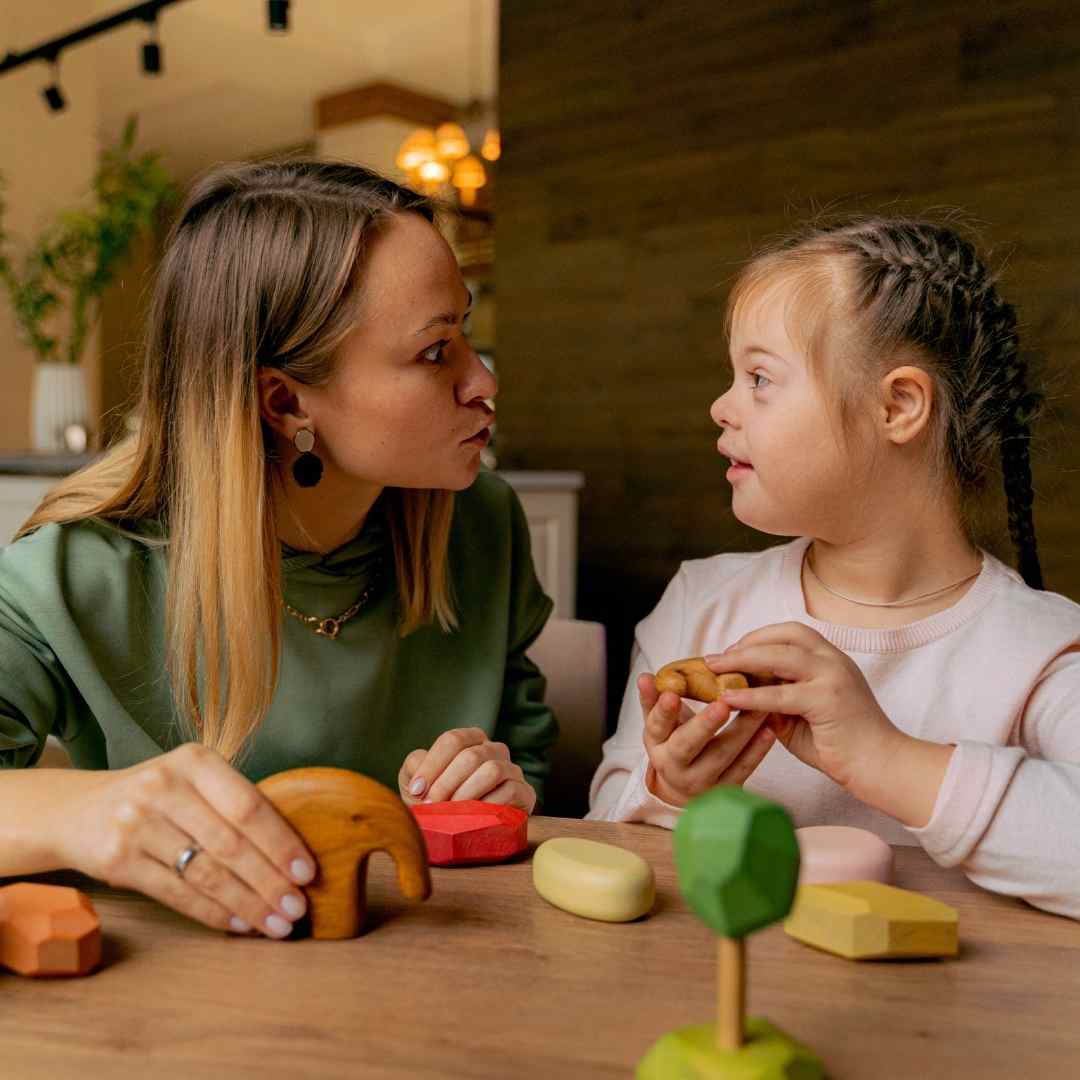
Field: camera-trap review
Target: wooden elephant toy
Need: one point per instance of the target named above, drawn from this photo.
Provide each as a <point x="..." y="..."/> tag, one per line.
<point x="343" y="817"/>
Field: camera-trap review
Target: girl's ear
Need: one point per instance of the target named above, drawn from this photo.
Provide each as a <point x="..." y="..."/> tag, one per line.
<point x="907" y="396"/>
<point x="279" y="402"/>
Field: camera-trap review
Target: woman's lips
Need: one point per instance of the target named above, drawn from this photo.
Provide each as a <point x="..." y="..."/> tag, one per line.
<point x="480" y="439"/>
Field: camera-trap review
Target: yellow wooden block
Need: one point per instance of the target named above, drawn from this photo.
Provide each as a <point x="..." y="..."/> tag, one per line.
<point x="594" y="880"/>
<point x="866" y="920"/>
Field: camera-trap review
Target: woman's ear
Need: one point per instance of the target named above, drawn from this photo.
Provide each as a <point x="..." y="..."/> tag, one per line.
<point x="279" y="402"/>
<point x="907" y="397"/>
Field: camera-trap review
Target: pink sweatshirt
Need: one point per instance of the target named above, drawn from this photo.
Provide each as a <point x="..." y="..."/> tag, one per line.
<point x="998" y="674"/>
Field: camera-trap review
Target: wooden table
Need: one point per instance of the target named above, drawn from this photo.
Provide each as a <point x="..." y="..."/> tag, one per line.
<point x="485" y="979"/>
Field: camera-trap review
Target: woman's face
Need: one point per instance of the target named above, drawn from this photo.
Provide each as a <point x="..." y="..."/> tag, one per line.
<point x="406" y="405"/>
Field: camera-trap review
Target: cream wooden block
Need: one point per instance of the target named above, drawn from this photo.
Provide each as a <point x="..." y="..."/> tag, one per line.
<point x="866" y="920"/>
<point x="833" y="853"/>
<point x="594" y="880"/>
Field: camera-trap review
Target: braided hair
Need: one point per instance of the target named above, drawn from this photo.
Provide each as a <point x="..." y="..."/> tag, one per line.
<point x="919" y="287"/>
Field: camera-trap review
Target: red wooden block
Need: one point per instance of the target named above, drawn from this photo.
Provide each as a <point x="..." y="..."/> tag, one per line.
<point x="48" y="930"/>
<point x="462" y="833"/>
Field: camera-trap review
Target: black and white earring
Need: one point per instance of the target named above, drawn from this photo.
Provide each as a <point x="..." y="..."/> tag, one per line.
<point x="307" y="468"/>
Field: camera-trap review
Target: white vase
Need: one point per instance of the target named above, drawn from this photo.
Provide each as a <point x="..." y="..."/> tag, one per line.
<point x="59" y="399"/>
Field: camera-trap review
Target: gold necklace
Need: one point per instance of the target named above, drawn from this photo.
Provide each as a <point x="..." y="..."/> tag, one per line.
<point x="891" y="603"/>
<point x="330" y="625"/>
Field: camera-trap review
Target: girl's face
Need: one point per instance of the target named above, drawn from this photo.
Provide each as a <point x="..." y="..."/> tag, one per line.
<point x="790" y="473"/>
<point x="406" y="404"/>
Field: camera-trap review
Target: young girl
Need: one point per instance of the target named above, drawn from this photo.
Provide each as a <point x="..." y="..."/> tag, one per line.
<point x="929" y="693"/>
<point x="276" y="573"/>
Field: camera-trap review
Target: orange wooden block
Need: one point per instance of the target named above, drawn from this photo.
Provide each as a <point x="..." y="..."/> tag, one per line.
<point x="469" y="832"/>
<point x="343" y="817"/>
<point x="48" y="930"/>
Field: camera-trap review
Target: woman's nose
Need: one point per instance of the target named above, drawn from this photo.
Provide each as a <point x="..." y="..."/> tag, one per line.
<point x="479" y="382"/>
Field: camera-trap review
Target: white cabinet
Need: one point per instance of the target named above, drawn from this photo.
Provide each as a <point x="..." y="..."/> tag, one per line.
<point x="19" y="496"/>
<point x="550" y="501"/>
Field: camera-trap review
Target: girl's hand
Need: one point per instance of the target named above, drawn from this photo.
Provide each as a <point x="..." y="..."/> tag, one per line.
<point x="686" y="755"/>
<point x="465" y="764"/>
<point x="128" y="828"/>
<point x="823" y="712"/>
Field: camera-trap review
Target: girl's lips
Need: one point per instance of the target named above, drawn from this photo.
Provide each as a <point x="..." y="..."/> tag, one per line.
<point x="738" y="469"/>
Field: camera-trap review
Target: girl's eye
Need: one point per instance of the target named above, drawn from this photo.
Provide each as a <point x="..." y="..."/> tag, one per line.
<point x="433" y="354"/>
<point x="757" y="380"/>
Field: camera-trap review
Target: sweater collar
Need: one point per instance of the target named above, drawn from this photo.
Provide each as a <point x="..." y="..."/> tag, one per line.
<point x="353" y="561"/>
<point x="896" y="639"/>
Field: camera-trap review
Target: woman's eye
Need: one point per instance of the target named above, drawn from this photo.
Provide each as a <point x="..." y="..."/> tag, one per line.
<point x="433" y="354"/>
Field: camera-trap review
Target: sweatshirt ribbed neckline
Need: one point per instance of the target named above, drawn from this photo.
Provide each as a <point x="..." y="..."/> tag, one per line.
<point x="896" y="639"/>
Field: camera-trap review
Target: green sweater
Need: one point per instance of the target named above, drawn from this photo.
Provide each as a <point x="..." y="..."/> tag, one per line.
<point x="82" y="650"/>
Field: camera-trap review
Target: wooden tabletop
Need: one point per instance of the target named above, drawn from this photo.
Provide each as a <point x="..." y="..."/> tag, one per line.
<point x="486" y="980"/>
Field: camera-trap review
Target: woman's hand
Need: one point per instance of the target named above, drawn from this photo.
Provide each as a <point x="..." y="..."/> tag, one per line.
<point x="686" y="755"/>
<point x="465" y="764"/>
<point x="827" y="716"/>
<point x="128" y="828"/>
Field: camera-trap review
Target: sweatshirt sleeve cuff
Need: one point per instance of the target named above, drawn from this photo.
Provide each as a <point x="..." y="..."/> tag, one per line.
<point x="638" y="803"/>
<point x="975" y="783"/>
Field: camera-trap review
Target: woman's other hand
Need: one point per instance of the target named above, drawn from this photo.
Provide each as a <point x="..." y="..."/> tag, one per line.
<point x="461" y="764"/>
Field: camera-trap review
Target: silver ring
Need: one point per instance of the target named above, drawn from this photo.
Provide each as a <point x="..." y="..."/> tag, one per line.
<point x="183" y="860"/>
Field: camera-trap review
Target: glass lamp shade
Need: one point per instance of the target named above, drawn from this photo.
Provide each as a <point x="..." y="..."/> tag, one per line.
<point x="417" y="150"/>
<point x="433" y="172"/>
<point x="451" y="142"/>
<point x="492" y="148"/>
<point x="469" y="175"/>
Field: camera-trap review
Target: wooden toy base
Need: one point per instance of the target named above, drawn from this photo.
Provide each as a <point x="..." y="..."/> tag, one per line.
<point x="690" y="1053"/>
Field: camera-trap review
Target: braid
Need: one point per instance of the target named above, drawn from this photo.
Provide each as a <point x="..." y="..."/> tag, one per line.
<point x="920" y="284"/>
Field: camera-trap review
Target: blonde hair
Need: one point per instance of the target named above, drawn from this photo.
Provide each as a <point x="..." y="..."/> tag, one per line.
<point x="888" y="289"/>
<point x="262" y="268"/>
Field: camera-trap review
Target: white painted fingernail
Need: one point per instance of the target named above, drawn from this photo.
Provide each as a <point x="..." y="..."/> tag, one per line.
<point x="417" y="786"/>
<point x="293" y="906"/>
<point x="239" y="926"/>
<point x="277" y="927"/>
<point x="302" y="871"/>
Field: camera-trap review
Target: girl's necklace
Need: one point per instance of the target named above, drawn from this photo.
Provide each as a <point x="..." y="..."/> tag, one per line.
<point x="891" y="603"/>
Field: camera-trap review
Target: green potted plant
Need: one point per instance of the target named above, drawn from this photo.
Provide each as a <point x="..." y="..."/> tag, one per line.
<point x="56" y="291"/>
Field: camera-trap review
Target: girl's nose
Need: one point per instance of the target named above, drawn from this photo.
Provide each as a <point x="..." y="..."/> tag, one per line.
<point x="721" y="412"/>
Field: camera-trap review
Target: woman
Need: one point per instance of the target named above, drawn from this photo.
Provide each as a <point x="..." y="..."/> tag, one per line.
<point x="277" y="571"/>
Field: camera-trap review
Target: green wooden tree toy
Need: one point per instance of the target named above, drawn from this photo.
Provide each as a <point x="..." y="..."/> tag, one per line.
<point x="738" y="863"/>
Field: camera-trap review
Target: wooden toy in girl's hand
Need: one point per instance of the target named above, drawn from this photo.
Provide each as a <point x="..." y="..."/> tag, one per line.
<point x="471" y="831"/>
<point x="865" y="920"/>
<point x="738" y="864"/>
<point x="692" y="678"/>
<point x="48" y="930"/>
<point x="343" y="817"/>
<point x="593" y="880"/>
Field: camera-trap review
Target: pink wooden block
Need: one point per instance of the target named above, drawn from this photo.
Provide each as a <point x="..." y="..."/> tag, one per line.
<point x="469" y="832"/>
<point x="833" y="853"/>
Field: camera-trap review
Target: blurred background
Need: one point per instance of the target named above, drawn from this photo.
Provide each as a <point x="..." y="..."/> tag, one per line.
<point x="631" y="155"/>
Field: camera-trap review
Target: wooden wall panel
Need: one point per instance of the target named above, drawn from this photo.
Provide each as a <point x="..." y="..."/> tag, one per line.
<point x="648" y="147"/>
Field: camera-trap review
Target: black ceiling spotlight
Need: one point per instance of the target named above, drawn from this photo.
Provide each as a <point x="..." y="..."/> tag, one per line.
<point x="52" y="93"/>
<point x="151" y="50"/>
<point x="50" y="50"/>
<point x="279" y="14"/>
